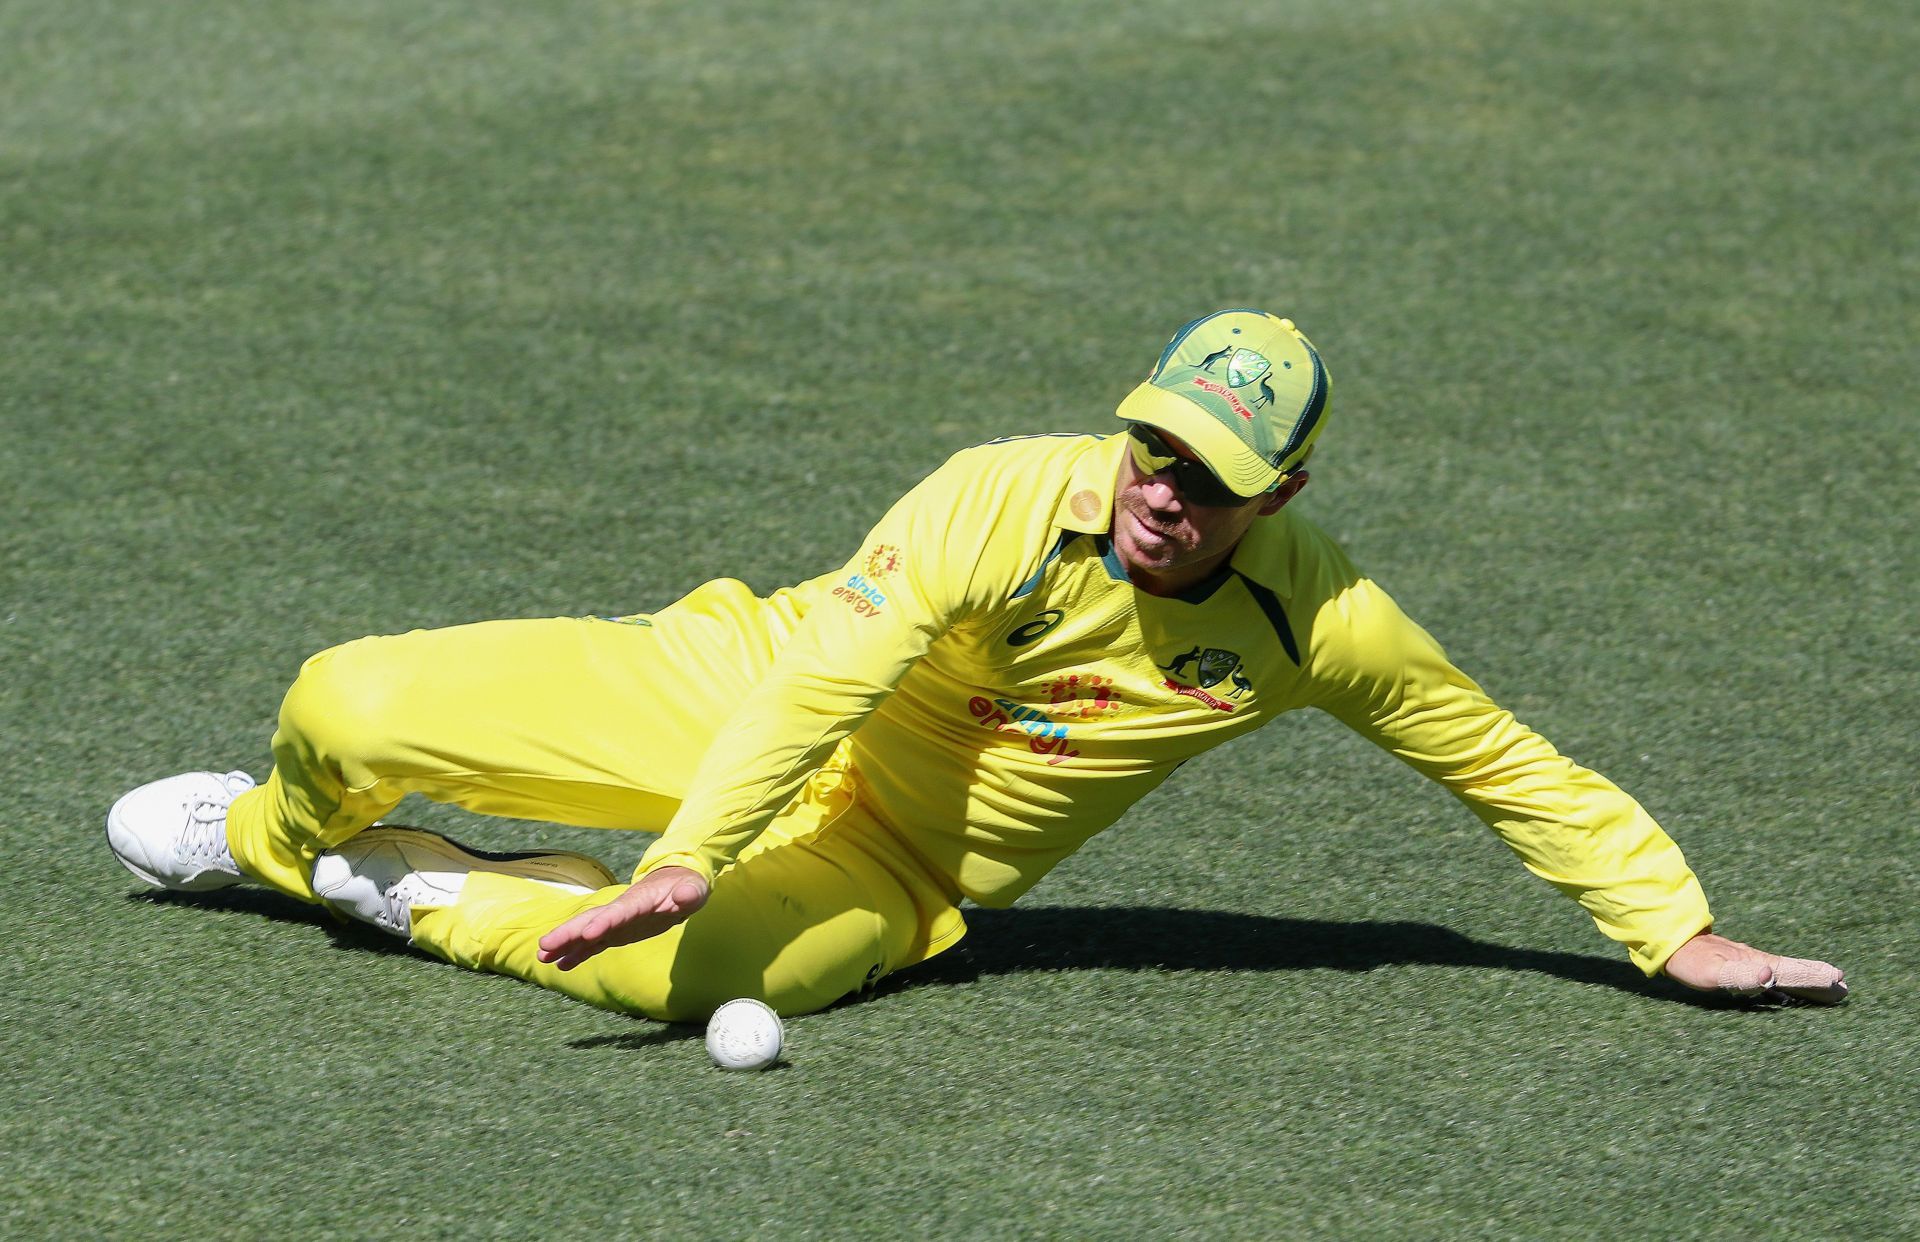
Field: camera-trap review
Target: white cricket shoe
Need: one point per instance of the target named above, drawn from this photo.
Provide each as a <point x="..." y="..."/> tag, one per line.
<point x="172" y="833"/>
<point x="382" y="874"/>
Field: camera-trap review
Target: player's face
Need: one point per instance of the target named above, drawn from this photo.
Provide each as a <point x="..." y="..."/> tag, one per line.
<point x="1167" y="539"/>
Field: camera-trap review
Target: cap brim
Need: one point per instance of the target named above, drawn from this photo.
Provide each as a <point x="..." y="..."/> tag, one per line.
<point x="1244" y="471"/>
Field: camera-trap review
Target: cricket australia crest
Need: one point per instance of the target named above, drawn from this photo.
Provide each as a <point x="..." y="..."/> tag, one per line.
<point x="1245" y="367"/>
<point x="1209" y="667"/>
<point x="1215" y="663"/>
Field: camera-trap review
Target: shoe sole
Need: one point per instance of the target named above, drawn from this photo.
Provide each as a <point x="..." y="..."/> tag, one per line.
<point x="593" y="864"/>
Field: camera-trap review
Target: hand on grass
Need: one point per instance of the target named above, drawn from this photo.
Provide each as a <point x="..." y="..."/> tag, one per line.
<point x="1710" y="963"/>
<point x="657" y="901"/>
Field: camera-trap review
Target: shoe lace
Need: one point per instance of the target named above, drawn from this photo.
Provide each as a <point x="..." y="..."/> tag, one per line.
<point x="205" y="837"/>
<point x="403" y="894"/>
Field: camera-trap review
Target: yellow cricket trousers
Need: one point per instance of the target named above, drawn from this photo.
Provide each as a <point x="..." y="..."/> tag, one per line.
<point x="597" y="723"/>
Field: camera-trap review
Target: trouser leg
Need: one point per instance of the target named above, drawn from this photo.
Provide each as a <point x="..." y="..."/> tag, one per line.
<point x="579" y="721"/>
<point x="799" y="926"/>
<point x="819" y="906"/>
<point x="595" y="723"/>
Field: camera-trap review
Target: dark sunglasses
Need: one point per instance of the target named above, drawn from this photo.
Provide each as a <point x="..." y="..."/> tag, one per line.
<point x="1195" y="482"/>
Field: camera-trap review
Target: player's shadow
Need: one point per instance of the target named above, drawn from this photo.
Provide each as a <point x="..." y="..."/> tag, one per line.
<point x="268" y="904"/>
<point x="1060" y="938"/>
<point x="1057" y="938"/>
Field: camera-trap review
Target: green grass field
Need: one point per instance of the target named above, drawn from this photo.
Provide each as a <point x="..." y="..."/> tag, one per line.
<point x="325" y="320"/>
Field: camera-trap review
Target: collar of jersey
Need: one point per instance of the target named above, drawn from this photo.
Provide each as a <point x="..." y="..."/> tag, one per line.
<point x="1261" y="556"/>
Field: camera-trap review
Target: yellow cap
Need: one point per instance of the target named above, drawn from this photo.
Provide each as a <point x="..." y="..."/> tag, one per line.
<point x="1244" y="389"/>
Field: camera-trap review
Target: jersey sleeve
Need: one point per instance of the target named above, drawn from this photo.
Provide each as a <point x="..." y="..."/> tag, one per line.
<point x="1387" y="679"/>
<point x="920" y="571"/>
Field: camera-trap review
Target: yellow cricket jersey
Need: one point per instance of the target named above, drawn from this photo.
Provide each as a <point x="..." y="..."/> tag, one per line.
<point x="1007" y="693"/>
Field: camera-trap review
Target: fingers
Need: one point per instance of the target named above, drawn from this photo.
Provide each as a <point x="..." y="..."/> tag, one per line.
<point x="575" y="940"/>
<point x="646" y="909"/>
<point x="1769" y="978"/>
<point x="1713" y="963"/>
<point x="603" y="927"/>
<point x="1819" y="982"/>
<point x="1745" y="972"/>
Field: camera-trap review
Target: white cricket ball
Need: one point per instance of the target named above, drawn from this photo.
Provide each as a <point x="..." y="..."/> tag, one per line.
<point x="745" y="1035"/>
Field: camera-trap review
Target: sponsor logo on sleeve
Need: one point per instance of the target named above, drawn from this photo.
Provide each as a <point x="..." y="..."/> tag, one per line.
<point x="882" y="559"/>
<point x="861" y="595"/>
<point x="863" y="591"/>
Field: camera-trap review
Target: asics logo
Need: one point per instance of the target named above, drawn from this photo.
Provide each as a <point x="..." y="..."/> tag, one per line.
<point x="1035" y="629"/>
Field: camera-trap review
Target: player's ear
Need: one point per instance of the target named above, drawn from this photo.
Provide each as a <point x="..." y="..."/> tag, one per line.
<point x="1285" y="492"/>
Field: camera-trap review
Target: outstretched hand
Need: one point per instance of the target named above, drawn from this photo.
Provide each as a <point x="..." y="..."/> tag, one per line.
<point x="1710" y="963"/>
<point x="659" y="900"/>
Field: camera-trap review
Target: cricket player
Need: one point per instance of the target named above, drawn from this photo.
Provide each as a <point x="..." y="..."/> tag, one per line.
<point x="1028" y="642"/>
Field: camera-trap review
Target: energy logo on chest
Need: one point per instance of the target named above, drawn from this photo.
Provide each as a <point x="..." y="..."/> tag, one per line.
<point x="1087" y="696"/>
<point x="1195" y="672"/>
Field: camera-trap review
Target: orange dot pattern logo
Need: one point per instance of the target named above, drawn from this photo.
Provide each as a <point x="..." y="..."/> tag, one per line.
<point x="882" y="559"/>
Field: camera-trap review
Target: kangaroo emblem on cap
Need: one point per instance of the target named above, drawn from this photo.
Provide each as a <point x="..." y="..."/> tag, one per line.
<point x="1244" y="366"/>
